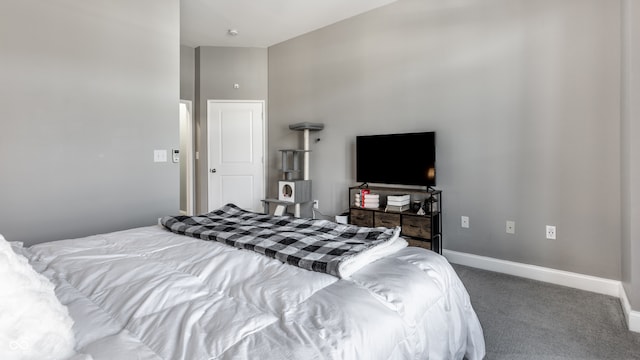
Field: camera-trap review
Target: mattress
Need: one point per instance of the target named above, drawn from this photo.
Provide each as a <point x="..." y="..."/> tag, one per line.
<point x="147" y="293"/>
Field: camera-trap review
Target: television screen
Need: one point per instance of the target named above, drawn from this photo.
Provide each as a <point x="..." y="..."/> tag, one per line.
<point x="407" y="159"/>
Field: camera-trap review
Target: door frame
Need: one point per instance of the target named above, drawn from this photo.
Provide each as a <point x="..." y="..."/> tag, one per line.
<point x="189" y="156"/>
<point x="264" y="143"/>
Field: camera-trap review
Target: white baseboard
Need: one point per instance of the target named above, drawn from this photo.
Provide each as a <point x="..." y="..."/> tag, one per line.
<point x="559" y="277"/>
<point x="632" y="316"/>
<point x="553" y="276"/>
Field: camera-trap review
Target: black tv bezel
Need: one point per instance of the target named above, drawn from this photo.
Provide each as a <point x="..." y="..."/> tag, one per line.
<point x="397" y="152"/>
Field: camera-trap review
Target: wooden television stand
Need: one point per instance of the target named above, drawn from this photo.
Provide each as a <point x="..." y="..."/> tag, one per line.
<point x="419" y="230"/>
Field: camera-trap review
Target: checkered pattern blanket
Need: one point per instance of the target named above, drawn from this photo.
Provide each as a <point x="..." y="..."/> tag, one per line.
<point x="317" y="245"/>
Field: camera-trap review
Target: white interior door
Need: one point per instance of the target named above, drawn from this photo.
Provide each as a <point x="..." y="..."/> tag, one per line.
<point x="236" y="152"/>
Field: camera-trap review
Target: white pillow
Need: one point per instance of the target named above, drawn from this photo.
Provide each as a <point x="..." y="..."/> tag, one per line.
<point x="33" y="322"/>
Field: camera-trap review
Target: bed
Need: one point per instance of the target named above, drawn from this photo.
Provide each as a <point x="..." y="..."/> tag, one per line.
<point x="149" y="293"/>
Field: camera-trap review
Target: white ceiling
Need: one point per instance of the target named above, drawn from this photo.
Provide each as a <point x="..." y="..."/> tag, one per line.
<point x="261" y="23"/>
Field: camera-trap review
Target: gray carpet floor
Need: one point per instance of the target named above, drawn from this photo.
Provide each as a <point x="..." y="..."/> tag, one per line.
<point x="528" y="319"/>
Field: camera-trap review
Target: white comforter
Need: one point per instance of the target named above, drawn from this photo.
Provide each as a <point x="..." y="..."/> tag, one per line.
<point x="150" y="294"/>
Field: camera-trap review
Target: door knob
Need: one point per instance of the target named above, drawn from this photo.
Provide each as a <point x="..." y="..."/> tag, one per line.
<point x="213" y="170"/>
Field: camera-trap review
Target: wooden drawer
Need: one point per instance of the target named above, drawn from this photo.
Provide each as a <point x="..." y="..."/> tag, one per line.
<point x="361" y="217"/>
<point x="419" y="243"/>
<point x="416" y="226"/>
<point x="386" y="220"/>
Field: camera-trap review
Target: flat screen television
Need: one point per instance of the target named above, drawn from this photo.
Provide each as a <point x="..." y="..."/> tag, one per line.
<point x="407" y="159"/>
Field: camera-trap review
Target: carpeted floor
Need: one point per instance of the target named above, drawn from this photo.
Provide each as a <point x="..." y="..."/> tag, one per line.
<point x="528" y="319"/>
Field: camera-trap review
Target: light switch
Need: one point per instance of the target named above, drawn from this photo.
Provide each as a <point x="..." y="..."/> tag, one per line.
<point x="159" y="155"/>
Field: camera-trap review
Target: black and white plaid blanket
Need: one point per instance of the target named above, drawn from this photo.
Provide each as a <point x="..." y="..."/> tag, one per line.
<point x="317" y="245"/>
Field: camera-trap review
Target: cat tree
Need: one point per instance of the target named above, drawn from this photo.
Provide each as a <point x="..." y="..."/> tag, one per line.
<point x="295" y="187"/>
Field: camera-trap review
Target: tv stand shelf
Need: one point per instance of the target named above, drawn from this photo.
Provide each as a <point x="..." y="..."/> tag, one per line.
<point x="419" y="230"/>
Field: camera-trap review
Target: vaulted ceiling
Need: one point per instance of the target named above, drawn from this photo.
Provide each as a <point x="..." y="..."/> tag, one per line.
<point x="261" y="23"/>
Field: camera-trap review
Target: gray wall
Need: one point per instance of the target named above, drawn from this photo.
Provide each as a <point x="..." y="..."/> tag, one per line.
<point x="187" y="73"/>
<point x="89" y="90"/>
<point x="217" y="70"/>
<point x="631" y="152"/>
<point x="525" y="99"/>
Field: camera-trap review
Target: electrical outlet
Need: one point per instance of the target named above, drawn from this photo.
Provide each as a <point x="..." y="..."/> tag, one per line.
<point x="511" y="227"/>
<point x="316" y="204"/>
<point x="464" y="222"/>
<point x="551" y="232"/>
